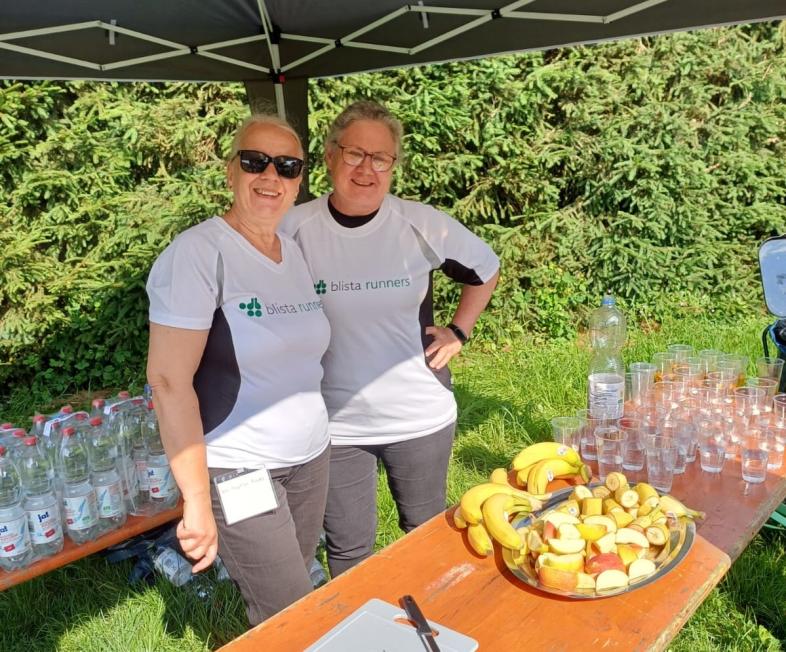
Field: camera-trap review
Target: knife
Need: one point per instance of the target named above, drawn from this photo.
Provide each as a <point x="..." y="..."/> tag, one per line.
<point x="423" y="628"/>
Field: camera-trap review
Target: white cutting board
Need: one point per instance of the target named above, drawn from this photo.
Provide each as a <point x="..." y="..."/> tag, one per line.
<point x="373" y="628"/>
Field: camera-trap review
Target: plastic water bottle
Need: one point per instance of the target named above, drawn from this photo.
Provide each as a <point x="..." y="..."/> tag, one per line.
<point x="15" y="548"/>
<point x="607" y="371"/>
<point x="106" y="480"/>
<point x="97" y="407"/>
<point x="163" y="488"/>
<point x="16" y="442"/>
<point x="40" y="503"/>
<point x="139" y="452"/>
<point x="172" y="565"/>
<point x="80" y="506"/>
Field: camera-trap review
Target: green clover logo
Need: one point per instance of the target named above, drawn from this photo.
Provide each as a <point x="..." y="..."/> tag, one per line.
<point x="252" y="308"/>
<point x="320" y="287"/>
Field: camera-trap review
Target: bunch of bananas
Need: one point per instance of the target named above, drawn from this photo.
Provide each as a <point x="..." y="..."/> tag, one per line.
<point x="539" y="464"/>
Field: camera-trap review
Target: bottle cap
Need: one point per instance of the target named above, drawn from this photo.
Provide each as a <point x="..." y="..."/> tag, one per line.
<point x="96" y="421"/>
<point x="138" y="401"/>
<point x="2" y="451"/>
<point x="67" y="432"/>
<point x="19" y="433"/>
<point x="66" y="409"/>
<point x="30" y="441"/>
<point x="98" y="403"/>
<point x="80" y="416"/>
<point x="150" y="405"/>
<point x="124" y="394"/>
<point x="6" y="426"/>
<point x="39" y="418"/>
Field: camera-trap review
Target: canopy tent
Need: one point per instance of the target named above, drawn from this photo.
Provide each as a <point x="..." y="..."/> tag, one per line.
<point x="275" y="46"/>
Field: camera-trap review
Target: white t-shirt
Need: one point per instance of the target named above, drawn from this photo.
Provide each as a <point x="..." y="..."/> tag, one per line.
<point x="258" y="383"/>
<point x="375" y="284"/>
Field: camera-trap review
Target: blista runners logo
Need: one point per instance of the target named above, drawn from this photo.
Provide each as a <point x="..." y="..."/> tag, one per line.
<point x="320" y="287"/>
<point x="252" y="308"/>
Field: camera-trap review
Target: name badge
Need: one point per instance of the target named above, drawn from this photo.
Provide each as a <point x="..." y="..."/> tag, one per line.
<point x="245" y="493"/>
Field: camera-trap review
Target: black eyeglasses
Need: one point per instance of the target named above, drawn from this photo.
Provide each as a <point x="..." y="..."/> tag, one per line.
<point x="354" y="156"/>
<point x="255" y="162"/>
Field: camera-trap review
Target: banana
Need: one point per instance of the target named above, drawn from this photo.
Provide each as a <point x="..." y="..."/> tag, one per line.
<point x="499" y="476"/>
<point x="615" y="480"/>
<point x="458" y="519"/>
<point x="496" y="510"/>
<point x="473" y="499"/>
<point x="647" y="494"/>
<point x="546" y="470"/>
<point x="479" y="539"/>
<point x="543" y="450"/>
<point x="670" y="506"/>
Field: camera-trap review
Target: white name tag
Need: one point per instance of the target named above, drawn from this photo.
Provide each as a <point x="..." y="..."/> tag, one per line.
<point x="245" y="493"/>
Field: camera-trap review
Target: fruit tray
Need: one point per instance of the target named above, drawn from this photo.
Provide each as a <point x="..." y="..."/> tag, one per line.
<point x="681" y="534"/>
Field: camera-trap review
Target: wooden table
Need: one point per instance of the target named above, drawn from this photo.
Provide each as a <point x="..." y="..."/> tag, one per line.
<point x="482" y="599"/>
<point x="71" y="551"/>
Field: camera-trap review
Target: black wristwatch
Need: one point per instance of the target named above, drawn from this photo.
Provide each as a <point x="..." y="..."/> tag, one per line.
<point x="460" y="334"/>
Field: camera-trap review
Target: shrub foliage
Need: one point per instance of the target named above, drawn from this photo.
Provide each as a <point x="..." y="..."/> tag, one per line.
<point x="653" y="167"/>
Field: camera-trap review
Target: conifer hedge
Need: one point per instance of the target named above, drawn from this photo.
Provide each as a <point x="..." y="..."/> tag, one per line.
<point x="653" y="167"/>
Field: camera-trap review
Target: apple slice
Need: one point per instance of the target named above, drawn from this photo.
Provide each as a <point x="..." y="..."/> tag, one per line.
<point x="609" y="580"/>
<point x="570" y="562"/>
<point x="568" y="531"/>
<point x="566" y="546"/>
<point x="590" y="531"/>
<point x="640" y="569"/>
<point x="607" y="543"/>
<point x="603" y="562"/>
<point x="558" y="518"/>
<point x="627" y="553"/>
<point x="556" y="578"/>
<point x="585" y="581"/>
<point x="629" y="535"/>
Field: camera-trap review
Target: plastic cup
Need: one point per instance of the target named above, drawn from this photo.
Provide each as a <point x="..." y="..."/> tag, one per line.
<point x="642" y="376"/>
<point x="710" y="358"/>
<point x="749" y="401"/>
<point x="776" y="443"/>
<point x="587" y="437"/>
<point x="680" y="351"/>
<point x="736" y="362"/>
<point x="609" y="442"/>
<point x="663" y="362"/>
<point x="779" y="408"/>
<point x="634" y="450"/>
<point x="567" y="431"/>
<point x="712" y="452"/>
<point x="754" y="457"/>
<point x="770" y="368"/>
<point x="770" y="387"/>
<point x="661" y="455"/>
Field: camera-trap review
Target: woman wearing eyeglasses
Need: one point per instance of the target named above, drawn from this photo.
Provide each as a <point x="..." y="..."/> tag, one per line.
<point x="236" y="339"/>
<point x="386" y="385"/>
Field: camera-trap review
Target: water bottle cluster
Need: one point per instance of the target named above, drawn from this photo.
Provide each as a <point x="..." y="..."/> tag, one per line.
<point x="79" y="474"/>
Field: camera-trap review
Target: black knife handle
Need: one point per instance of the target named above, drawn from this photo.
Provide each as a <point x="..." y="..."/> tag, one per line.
<point x="423" y="628"/>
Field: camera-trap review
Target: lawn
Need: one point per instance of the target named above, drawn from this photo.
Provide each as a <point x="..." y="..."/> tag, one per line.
<point x="506" y="399"/>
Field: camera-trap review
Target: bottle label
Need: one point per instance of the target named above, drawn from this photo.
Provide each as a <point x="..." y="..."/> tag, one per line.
<point x="45" y="525"/>
<point x="110" y="500"/>
<point x="173" y="566"/>
<point x="141" y="473"/>
<point x="606" y="396"/>
<point x="81" y="512"/>
<point x="14" y="537"/>
<point x="162" y="482"/>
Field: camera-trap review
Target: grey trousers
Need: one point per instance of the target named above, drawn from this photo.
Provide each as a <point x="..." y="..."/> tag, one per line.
<point x="266" y="555"/>
<point x="417" y="475"/>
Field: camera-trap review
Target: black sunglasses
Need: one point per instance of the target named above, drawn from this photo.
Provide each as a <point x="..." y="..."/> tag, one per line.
<point x="254" y="162"/>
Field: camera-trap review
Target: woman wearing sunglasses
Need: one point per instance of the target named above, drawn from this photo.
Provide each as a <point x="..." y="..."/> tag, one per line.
<point x="386" y="386"/>
<point x="236" y="339"/>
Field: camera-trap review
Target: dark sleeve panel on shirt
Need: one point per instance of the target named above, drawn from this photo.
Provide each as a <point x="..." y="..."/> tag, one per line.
<point x="459" y="273"/>
<point x="217" y="380"/>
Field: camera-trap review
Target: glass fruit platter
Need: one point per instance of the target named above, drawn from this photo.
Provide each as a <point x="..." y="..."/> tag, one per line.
<point x="595" y="549"/>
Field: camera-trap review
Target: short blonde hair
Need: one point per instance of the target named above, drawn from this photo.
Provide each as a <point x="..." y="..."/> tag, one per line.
<point x="262" y="119"/>
<point x="365" y="110"/>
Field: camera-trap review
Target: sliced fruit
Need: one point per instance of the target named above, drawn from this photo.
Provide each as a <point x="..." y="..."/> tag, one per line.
<point x="615" y="480"/>
<point x="570" y="507"/>
<point x="643" y="521"/>
<point x="627" y="553"/>
<point x="603" y="562"/>
<point x="580" y="492"/>
<point x="590" y="531"/>
<point x="611" y="579"/>
<point x="601" y="492"/>
<point x="585" y="581"/>
<point x="591" y="506"/>
<point x="657" y="535"/>
<point x="633" y="511"/>
<point x="565" y="546"/>
<point x="670" y="506"/>
<point x="570" y="562"/>
<point x="626" y="497"/>
<point x="556" y="578"/>
<point x="569" y="531"/>
<point x="647" y="493"/>
<point x="640" y="569"/>
<point x="609" y="523"/>
<point x="534" y="541"/>
<point x="610" y="505"/>
<point x="549" y="530"/>
<point x="607" y="543"/>
<point x="558" y="518"/>
<point x="629" y="535"/>
<point x="621" y="518"/>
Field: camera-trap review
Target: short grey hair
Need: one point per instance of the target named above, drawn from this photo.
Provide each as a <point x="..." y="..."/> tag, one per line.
<point x="365" y="110"/>
<point x="262" y="119"/>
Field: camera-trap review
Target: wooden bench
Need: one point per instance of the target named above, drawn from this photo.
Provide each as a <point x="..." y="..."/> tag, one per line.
<point x="482" y="599"/>
<point x="71" y="551"/>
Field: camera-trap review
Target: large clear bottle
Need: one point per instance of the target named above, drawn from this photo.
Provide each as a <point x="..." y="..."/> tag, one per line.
<point x="80" y="507"/>
<point x="128" y="432"/>
<point x="15" y="548"/>
<point x="607" y="331"/>
<point x="40" y="502"/>
<point x="139" y="451"/>
<point x="104" y="456"/>
<point x="163" y="488"/>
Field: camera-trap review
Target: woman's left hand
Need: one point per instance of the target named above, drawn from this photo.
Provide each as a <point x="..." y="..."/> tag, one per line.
<point x="443" y="348"/>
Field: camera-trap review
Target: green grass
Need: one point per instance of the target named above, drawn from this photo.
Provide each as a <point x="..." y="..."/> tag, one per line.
<point x="506" y="399"/>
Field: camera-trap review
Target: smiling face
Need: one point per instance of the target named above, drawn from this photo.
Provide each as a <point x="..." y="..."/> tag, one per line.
<point x="359" y="190"/>
<point x="263" y="198"/>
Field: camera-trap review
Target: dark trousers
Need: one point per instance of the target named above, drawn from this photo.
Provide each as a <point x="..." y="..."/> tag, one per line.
<point x="266" y="555"/>
<point x="417" y="476"/>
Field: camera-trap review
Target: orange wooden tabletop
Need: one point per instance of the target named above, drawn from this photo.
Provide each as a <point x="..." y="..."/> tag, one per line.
<point x="71" y="551"/>
<point x="482" y="599"/>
